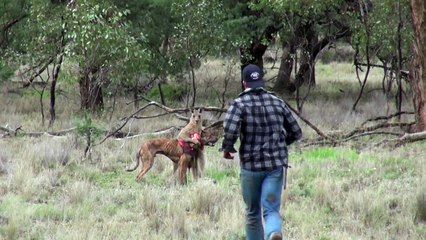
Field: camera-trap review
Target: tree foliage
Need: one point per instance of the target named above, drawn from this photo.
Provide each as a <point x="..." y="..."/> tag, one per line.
<point x="117" y="43"/>
<point x="101" y="43"/>
<point x="382" y="20"/>
<point x="11" y="15"/>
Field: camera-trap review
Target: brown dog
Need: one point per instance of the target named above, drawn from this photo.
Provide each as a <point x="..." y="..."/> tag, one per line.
<point x="174" y="151"/>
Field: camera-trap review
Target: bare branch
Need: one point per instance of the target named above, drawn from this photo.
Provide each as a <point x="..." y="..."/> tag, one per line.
<point x="319" y="132"/>
<point x="404" y="73"/>
<point x="375" y="127"/>
<point x="38" y="72"/>
<point x="158" y="133"/>
<point x="385" y="117"/>
<point x="10" y="132"/>
<point x="215" y="124"/>
<point x="406" y="138"/>
<point x="166" y="110"/>
<point x="371" y="133"/>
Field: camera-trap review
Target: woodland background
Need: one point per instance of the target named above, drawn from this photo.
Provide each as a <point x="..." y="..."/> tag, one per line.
<point x="83" y="83"/>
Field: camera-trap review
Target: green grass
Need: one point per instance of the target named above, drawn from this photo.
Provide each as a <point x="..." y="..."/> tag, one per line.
<point x="327" y="154"/>
<point x="222" y="175"/>
<point x="113" y="178"/>
<point x="49" y="213"/>
<point x="329" y="194"/>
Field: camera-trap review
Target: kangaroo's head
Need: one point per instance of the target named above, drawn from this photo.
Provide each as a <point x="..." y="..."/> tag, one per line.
<point x="196" y="117"/>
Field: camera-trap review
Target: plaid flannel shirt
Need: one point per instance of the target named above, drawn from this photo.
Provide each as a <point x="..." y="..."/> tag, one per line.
<point x="265" y="126"/>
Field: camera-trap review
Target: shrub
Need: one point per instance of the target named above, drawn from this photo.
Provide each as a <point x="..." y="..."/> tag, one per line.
<point x="5" y="71"/>
<point x="50" y="154"/>
<point x="87" y="129"/>
<point x="171" y="92"/>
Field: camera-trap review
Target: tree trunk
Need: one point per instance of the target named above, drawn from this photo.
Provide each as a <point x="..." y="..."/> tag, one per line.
<point x="163" y="101"/>
<point x="91" y="90"/>
<point x="254" y="53"/>
<point x="418" y="68"/>
<point x="52" y="111"/>
<point x="135" y="95"/>
<point x="311" y="55"/>
<point x="306" y="74"/>
<point x="55" y="75"/>
<point x="56" y="70"/>
<point x="286" y="67"/>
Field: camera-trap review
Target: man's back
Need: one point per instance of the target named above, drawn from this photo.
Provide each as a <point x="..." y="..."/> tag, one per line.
<point x="266" y="127"/>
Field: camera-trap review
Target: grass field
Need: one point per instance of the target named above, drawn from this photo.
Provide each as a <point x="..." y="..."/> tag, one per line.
<point x="49" y="191"/>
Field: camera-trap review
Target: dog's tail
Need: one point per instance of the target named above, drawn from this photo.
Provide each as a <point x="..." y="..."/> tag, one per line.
<point x="137" y="163"/>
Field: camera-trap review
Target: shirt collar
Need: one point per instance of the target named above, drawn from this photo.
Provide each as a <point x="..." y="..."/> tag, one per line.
<point x="248" y="90"/>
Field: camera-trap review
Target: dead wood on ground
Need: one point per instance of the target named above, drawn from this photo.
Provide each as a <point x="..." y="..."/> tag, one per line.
<point x="383" y="126"/>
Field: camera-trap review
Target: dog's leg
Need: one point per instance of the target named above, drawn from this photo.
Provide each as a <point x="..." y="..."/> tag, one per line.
<point x="147" y="160"/>
<point x="183" y="166"/>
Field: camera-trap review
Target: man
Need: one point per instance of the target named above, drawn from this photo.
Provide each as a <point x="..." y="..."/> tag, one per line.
<point x="265" y="127"/>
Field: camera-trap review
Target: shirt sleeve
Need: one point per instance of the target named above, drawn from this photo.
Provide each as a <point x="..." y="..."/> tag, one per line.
<point x="231" y="126"/>
<point x="294" y="132"/>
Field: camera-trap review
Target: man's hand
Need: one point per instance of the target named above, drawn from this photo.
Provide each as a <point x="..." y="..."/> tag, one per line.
<point x="227" y="155"/>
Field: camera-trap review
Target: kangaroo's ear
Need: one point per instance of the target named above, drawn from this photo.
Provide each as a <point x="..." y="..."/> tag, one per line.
<point x="192" y="110"/>
<point x="200" y="110"/>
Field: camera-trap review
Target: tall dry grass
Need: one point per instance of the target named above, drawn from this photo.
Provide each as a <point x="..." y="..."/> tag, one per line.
<point x="49" y="191"/>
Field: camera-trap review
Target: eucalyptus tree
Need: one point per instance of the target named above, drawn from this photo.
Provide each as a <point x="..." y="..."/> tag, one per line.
<point x="91" y="33"/>
<point x="12" y="15"/>
<point x="176" y="35"/>
<point x="31" y="37"/>
<point x="103" y="48"/>
<point x="307" y="27"/>
<point x="310" y="26"/>
<point x="151" y="23"/>
<point x="199" y="33"/>
<point x="382" y="37"/>
<point x="379" y="31"/>
<point x="251" y="28"/>
<point x="418" y="68"/>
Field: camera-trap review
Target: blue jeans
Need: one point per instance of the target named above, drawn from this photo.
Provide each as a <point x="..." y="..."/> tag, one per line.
<point x="262" y="192"/>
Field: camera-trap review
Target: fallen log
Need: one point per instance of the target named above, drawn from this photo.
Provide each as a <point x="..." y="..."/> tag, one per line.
<point x="404" y="139"/>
